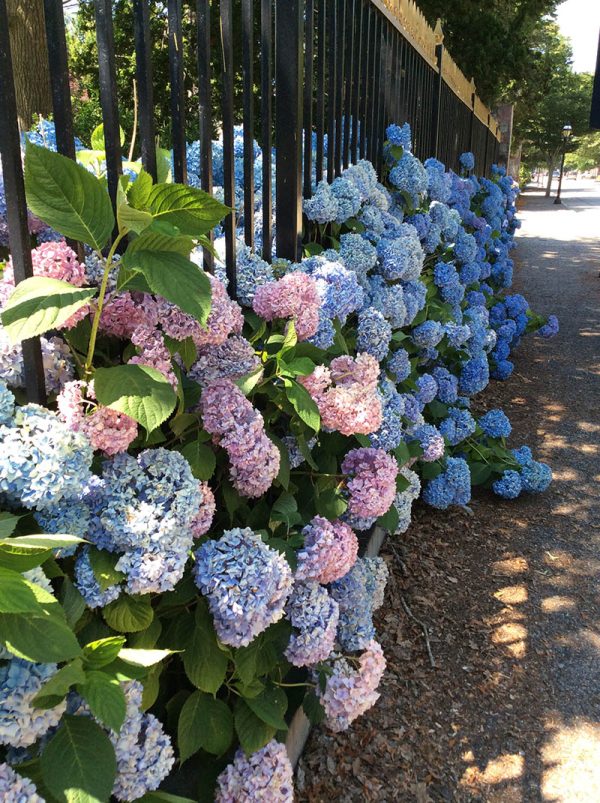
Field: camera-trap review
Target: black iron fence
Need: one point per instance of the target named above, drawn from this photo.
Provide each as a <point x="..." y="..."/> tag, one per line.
<point x="333" y="75"/>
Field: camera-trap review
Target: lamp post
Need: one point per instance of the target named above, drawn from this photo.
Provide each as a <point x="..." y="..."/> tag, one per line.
<point x="566" y="135"/>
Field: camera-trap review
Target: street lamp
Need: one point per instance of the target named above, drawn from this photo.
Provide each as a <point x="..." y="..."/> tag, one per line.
<point x="566" y="135"/>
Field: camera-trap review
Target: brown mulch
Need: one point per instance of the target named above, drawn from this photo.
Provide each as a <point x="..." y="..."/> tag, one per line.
<point x="508" y="593"/>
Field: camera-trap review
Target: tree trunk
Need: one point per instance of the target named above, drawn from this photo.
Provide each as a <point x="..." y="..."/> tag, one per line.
<point x="550" y="163"/>
<point x="30" y="59"/>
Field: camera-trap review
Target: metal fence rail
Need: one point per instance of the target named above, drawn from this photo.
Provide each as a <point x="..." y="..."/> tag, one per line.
<point x="338" y="71"/>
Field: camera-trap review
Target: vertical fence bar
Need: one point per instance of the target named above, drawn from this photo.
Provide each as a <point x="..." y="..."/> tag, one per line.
<point x="348" y="37"/>
<point x="248" y="112"/>
<point x="266" y="113"/>
<point x="108" y="94"/>
<point x="204" y="106"/>
<point x="309" y="54"/>
<point x="485" y="153"/>
<point x="364" y="80"/>
<point x="339" y="84"/>
<point x="177" y="91"/>
<point x="59" y="77"/>
<point x="332" y="21"/>
<point x="321" y="49"/>
<point x="16" y="206"/>
<point x="358" y="14"/>
<point x="288" y="127"/>
<point x="383" y="94"/>
<point x="371" y="83"/>
<point x="228" y="154"/>
<point x="145" y="91"/>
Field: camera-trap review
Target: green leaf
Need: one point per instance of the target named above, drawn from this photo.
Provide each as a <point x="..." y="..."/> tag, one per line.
<point x="67" y="197"/>
<point x="249" y="381"/>
<point x="291" y="337"/>
<point x="480" y="472"/>
<point x="204" y="723"/>
<point x="252" y="732"/>
<point x="286" y="509"/>
<point x="157" y="240"/>
<point x="193" y="211"/>
<point x="330" y="504"/>
<point x="78" y="763"/>
<point x="97" y="140"/>
<point x="43" y="541"/>
<point x="141" y="392"/>
<point x="40" y="638"/>
<point x="128" y="614"/>
<point x="38" y="304"/>
<point x="164" y="797"/>
<point x="139" y="190"/>
<point x="8" y="522"/>
<point x="131" y="219"/>
<point x="429" y="471"/>
<point x="55" y="689"/>
<point x="303" y="404"/>
<point x="105" y="698"/>
<point x="313" y="708"/>
<point x="22" y="559"/>
<point x="389" y="521"/>
<point x="102" y="652"/>
<point x="146" y="658"/>
<point x="270" y="706"/>
<point x="103" y="566"/>
<point x="151" y="689"/>
<point x="299" y="366"/>
<point x="204" y="662"/>
<point x="72" y="602"/>
<point x="175" y="278"/>
<point x="201" y="458"/>
<point x="15" y="594"/>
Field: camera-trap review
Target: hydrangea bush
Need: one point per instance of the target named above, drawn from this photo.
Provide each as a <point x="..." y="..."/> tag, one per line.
<point x="179" y="560"/>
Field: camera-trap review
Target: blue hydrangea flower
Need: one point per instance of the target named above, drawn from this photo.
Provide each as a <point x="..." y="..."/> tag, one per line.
<point x="430" y="440"/>
<point x="246" y="582"/>
<point x="358" y="594"/>
<point x="457" y="426"/>
<point x="474" y="375"/>
<point x="399" y="365"/>
<point x="7" y="403"/>
<point x="410" y="178"/>
<point x="337" y="285"/>
<point x="536" y="477"/>
<point x="357" y="254"/>
<point x="402" y="257"/>
<point x="502" y="370"/>
<point x="374" y="333"/>
<point x="465" y="247"/>
<point x="427" y="334"/>
<point x="20" y="723"/>
<point x="15" y="788"/>
<point x="399" y="135"/>
<point x="314" y="615"/>
<point x="495" y="424"/>
<point x="388" y="299"/>
<point x="467" y="160"/>
<point x="550" y="328"/>
<point x="348" y="199"/>
<point x="71" y="517"/>
<point x="427" y="389"/>
<point x="252" y="273"/>
<point x="509" y="486"/>
<point x="515" y="305"/>
<point x="43" y="461"/>
<point x="323" y="206"/>
<point x="522" y="455"/>
<point x="457" y="334"/>
<point x="88" y="585"/>
<point x="390" y="434"/>
<point x="451" y="487"/>
<point x="447" y="385"/>
<point x="415" y="294"/>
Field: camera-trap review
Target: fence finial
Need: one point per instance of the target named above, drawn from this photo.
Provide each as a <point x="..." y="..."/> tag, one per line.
<point x="438" y="32"/>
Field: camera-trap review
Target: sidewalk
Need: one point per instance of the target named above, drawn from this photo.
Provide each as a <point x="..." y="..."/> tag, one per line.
<point x="511" y="595"/>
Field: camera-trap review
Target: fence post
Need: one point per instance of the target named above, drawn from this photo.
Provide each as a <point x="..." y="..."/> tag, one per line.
<point x="288" y="127"/>
<point x="16" y="206"/>
<point x="437" y="89"/>
<point x="472" y="122"/>
<point x="143" y="77"/>
<point x="177" y="91"/>
<point x="59" y="77"/>
<point x="487" y="139"/>
<point x="108" y="94"/>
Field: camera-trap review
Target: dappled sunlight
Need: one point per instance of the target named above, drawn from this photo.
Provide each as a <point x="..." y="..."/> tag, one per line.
<point x="512" y="595"/>
<point x="516" y="565"/>
<point x="571" y="759"/>
<point x="557" y="604"/>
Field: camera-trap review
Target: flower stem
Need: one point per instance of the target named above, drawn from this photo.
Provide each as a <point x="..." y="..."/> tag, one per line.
<point x="96" y="322"/>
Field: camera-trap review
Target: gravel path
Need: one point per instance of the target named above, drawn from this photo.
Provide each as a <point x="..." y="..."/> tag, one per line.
<point x="510" y="595"/>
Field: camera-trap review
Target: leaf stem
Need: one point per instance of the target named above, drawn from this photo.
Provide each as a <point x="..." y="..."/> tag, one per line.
<point x="96" y="322"/>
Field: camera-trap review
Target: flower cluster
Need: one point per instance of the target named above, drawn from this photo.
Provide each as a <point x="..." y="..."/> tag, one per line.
<point x="16" y="788"/>
<point x="314" y="615"/>
<point x="21" y="723"/>
<point x="451" y="487"/>
<point x="371" y="486"/>
<point x="239" y="429"/>
<point x="329" y="551"/>
<point x="358" y="594"/>
<point x="246" y="582"/>
<point x="266" y="775"/>
<point x="294" y="296"/>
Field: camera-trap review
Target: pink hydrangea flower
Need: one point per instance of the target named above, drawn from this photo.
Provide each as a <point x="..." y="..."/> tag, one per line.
<point x="294" y="296"/>
<point x="329" y="552"/>
<point x="107" y="430"/>
<point x="240" y="430"/>
<point x="346" y="394"/>
<point x="153" y="352"/>
<point x="54" y="260"/>
<point x="122" y="313"/>
<point x="265" y="776"/>
<point x="372" y="487"/>
<point x="226" y="317"/>
<point x="201" y="522"/>
<point x="351" y="691"/>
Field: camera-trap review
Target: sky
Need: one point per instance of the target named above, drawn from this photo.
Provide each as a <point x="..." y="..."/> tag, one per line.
<point x="580" y="21"/>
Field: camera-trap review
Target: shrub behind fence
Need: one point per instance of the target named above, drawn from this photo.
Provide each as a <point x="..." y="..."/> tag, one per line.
<point x="333" y="75"/>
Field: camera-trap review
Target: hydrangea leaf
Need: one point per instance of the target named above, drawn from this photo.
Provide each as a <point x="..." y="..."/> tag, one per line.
<point x="15" y="594"/>
<point x="128" y="614"/>
<point x="141" y="657"/>
<point x="78" y="763"/>
<point x="67" y="197"/>
<point x="139" y="391"/>
<point x="38" y="304"/>
<point x="251" y="730"/>
<point x="270" y="706"/>
<point x="204" y="723"/>
<point x="313" y="708"/>
<point x="102" y="652"/>
<point x="43" y="541"/>
<point x="164" y="797"/>
<point x="55" y="689"/>
<point x="105" y="697"/>
<point x="41" y="638"/>
<point x="103" y="566"/>
<point x="8" y="522"/>
<point x="22" y="559"/>
<point x="201" y="458"/>
<point x="204" y="662"/>
<point x="303" y="404"/>
<point x="174" y="277"/>
<point x="192" y="210"/>
<point x="139" y="190"/>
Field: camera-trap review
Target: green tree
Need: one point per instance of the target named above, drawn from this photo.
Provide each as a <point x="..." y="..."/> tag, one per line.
<point x="587" y="155"/>
<point x="493" y="42"/>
